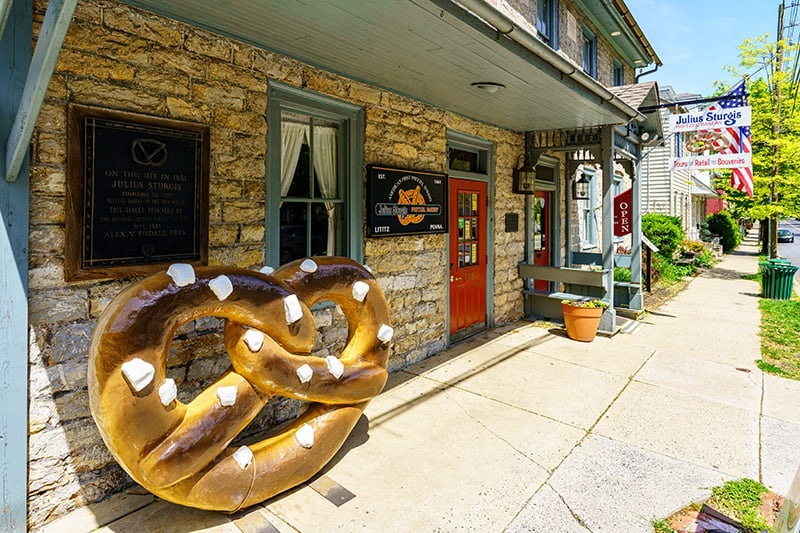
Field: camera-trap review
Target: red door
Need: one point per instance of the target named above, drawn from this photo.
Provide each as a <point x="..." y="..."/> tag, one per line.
<point x="468" y="207"/>
<point x="541" y="234"/>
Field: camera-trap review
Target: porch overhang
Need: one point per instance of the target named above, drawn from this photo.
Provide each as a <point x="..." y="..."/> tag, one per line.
<point x="429" y="50"/>
<point x="701" y="190"/>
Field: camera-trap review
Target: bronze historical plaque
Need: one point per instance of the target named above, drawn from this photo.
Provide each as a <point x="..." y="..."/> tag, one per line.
<point x="137" y="193"/>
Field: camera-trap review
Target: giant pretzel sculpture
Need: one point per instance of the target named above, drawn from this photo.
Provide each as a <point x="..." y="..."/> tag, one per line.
<point x="181" y="452"/>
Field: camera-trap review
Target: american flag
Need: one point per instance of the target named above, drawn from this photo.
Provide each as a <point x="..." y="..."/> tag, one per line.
<point x="739" y="137"/>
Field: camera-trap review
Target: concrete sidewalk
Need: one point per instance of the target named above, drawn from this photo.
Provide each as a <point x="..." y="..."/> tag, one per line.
<point x="523" y="429"/>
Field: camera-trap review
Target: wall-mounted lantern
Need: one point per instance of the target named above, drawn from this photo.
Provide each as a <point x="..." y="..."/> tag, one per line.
<point x="580" y="188"/>
<point x="524" y="178"/>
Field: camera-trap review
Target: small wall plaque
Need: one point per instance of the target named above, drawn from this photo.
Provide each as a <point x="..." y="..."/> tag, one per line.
<point x="512" y="222"/>
<point x="137" y="193"/>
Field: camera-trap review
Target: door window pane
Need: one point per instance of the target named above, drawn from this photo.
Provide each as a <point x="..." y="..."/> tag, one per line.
<point x="539" y="225"/>
<point x="468" y="219"/>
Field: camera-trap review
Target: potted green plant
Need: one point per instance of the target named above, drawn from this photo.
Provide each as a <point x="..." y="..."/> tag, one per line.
<point x="581" y="318"/>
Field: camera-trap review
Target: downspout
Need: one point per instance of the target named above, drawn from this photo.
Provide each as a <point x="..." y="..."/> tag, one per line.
<point x="506" y="26"/>
<point x="646" y="72"/>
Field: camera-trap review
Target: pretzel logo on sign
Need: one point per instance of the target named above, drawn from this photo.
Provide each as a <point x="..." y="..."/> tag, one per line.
<point x="707" y="140"/>
<point x="149" y="152"/>
<point x="410" y="197"/>
<point x="181" y="452"/>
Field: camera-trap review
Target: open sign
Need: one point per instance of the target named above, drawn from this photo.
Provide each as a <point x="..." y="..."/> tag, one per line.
<point x="622" y="213"/>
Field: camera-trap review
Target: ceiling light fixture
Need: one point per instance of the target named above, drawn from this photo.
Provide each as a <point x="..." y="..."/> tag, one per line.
<point x="638" y="61"/>
<point x="616" y="33"/>
<point x="489" y="86"/>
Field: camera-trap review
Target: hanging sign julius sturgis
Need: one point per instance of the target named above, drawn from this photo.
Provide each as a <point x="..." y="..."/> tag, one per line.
<point x="734" y="117"/>
<point x="717" y="137"/>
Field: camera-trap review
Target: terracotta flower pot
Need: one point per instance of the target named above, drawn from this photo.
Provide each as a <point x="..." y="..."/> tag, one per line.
<point x="581" y="322"/>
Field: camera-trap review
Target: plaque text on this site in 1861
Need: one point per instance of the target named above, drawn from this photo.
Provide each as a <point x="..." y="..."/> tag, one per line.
<point x="140" y="186"/>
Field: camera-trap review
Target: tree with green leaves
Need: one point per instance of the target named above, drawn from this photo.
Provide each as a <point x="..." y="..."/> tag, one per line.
<point x="775" y="133"/>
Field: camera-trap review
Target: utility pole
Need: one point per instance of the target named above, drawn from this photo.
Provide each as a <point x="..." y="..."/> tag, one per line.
<point x="776" y="129"/>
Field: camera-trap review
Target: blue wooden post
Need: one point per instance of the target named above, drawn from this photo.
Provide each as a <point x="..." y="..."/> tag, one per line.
<point x="608" y="322"/>
<point x="637" y="297"/>
<point x="15" y="56"/>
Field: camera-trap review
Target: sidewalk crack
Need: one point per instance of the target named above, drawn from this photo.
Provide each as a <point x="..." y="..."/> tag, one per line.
<point x="575" y="516"/>
<point x="496" y="435"/>
<point x="588" y="432"/>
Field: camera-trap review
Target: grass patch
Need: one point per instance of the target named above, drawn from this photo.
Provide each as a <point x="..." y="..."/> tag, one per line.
<point x="741" y="500"/>
<point x="780" y="337"/>
<point x="662" y="526"/>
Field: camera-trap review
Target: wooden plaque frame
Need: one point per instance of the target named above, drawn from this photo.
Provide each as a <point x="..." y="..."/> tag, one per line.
<point x="137" y="193"/>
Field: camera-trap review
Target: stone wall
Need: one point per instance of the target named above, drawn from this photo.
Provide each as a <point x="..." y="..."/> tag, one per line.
<point x="122" y="58"/>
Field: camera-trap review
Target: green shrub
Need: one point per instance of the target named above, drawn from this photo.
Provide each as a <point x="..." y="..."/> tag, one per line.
<point x="705" y="259"/>
<point x="692" y="246"/>
<point x="622" y="274"/>
<point x="664" y="269"/>
<point x="664" y="231"/>
<point x="725" y="226"/>
<point x="705" y="233"/>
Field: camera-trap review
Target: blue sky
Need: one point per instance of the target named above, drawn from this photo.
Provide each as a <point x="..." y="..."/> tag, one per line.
<point x="696" y="39"/>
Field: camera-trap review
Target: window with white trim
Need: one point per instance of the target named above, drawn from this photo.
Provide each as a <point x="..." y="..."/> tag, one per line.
<point x="314" y="183"/>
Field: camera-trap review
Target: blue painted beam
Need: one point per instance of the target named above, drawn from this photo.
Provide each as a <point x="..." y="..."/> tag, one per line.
<point x="15" y="46"/>
<point x="48" y="45"/>
<point x="5" y="9"/>
<point x="608" y="322"/>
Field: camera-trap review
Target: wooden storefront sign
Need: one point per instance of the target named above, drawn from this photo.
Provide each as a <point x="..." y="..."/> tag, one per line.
<point x="137" y="193"/>
<point x="405" y="202"/>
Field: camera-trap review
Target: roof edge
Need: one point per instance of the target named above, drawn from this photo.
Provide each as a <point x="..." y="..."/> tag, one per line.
<point x="637" y="30"/>
<point x="506" y="26"/>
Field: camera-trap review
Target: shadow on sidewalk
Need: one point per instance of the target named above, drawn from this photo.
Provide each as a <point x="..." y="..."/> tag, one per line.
<point x="722" y="273"/>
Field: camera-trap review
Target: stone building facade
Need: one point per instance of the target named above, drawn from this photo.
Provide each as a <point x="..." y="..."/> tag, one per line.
<point x="122" y="58"/>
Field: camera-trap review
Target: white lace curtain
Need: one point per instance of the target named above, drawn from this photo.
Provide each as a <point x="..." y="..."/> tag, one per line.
<point x="325" y="151"/>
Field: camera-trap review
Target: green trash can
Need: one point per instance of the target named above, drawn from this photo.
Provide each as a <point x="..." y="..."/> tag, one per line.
<point x="766" y="279"/>
<point x="777" y="278"/>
